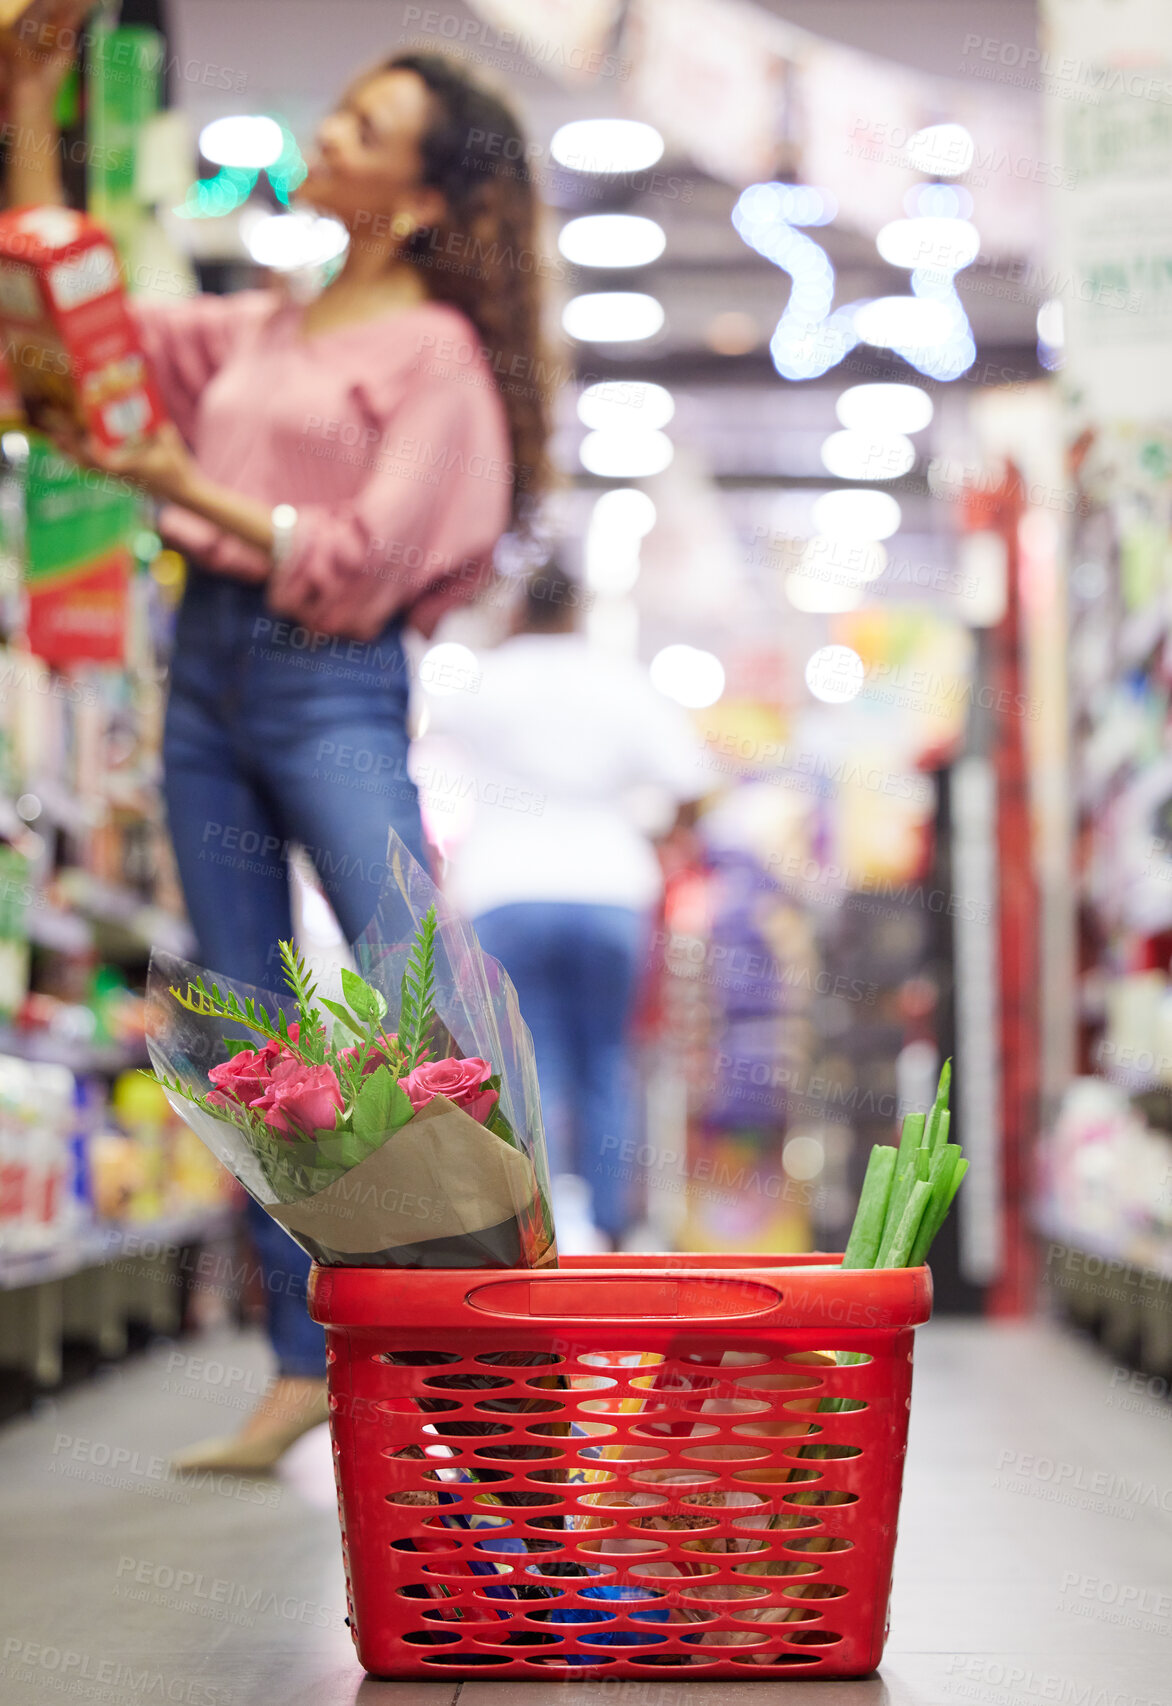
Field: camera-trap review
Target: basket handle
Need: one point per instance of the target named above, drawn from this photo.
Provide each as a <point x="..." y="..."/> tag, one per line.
<point x="626" y="1297"/>
<point x="836" y="1298"/>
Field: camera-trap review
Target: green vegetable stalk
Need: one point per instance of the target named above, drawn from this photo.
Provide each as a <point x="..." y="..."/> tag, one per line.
<point x="907" y="1192"/>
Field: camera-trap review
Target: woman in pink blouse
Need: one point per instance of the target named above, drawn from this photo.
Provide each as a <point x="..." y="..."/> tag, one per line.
<point x="331" y="472"/>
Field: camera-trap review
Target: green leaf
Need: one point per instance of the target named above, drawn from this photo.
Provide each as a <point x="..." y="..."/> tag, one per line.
<point x="363" y="1000"/>
<point x="498" y="1124"/>
<point x="342" y="1148"/>
<point x="344" y="1015"/>
<point x="417" y="996"/>
<point x="381" y="1106"/>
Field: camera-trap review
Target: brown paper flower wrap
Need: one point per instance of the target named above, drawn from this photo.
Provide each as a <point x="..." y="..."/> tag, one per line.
<point x="397" y="1126"/>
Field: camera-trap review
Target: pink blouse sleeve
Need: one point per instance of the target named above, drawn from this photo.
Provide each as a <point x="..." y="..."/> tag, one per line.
<point x="189" y="339"/>
<point x="426" y="521"/>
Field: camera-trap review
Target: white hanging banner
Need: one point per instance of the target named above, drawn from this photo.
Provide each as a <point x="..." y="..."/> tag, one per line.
<point x="711" y="75"/>
<point x="566" y="39"/>
<point x="748" y="96"/>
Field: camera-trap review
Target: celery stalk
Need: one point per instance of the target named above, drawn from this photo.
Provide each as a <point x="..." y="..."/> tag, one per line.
<point x="939" y="1108"/>
<point x="910" y="1143"/>
<point x="944" y="1163"/>
<point x="909" y="1225"/>
<point x="863" y="1244"/>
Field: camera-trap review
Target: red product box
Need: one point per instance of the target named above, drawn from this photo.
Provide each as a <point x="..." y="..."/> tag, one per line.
<point x="68" y="338"/>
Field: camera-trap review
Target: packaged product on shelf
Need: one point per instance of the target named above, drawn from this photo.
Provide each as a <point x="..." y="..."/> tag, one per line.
<point x="1104" y="1171"/>
<point x="144" y="1162"/>
<point x="79" y="564"/>
<point x="38" y="1207"/>
<point x="15" y="892"/>
<point x="69" y="340"/>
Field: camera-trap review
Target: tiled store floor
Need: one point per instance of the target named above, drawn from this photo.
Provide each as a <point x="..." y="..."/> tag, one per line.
<point x="1034" y="1561"/>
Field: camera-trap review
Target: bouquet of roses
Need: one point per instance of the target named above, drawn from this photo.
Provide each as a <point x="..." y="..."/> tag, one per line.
<point x="399" y="1126"/>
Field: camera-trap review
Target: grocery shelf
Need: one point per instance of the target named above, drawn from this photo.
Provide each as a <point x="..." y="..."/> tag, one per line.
<point x="1121" y="1291"/>
<point x="80" y="1057"/>
<point x="55" y="927"/>
<point x="95" y="1245"/>
<point x="1151" y="1255"/>
<point x="93" y="1286"/>
<point x="105" y="902"/>
<point x="1140" y="632"/>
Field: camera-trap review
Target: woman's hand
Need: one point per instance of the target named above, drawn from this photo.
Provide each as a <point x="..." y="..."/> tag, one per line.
<point x="38" y="57"/>
<point x="35" y="59"/>
<point x="161" y="465"/>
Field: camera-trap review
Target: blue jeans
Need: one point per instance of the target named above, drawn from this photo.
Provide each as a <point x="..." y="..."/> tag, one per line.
<point x="274" y="734"/>
<point x="576" y="970"/>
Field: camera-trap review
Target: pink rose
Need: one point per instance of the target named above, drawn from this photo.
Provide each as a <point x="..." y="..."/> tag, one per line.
<point x="300" y="1099"/>
<point x="459" y="1080"/>
<point x="385" y="1046"/>
<point x="244" y="1077"/>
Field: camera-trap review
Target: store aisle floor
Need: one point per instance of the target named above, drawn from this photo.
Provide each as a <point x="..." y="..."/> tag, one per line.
<point x="1032" y="1561"/>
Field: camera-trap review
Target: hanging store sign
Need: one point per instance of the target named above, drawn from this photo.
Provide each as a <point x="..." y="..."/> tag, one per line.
<point x="1113" y="215"/>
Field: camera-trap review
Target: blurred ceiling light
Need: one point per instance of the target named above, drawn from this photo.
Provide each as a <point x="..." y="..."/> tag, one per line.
<point x="285" y="241"/>
<point x="936" y="245"/>
<point x="938" y="201"/>
<point x="249" y="143"/>
<point x="884" y="408"/>
<point x="856" y="514"/>
<point x="1052" y="335"/>
<point x="941" y="151"/>
<point x="612" y="317"/>
<point x="612" y="565"/>
<point x="820" y="597"/>
<point x="732" y="333"/>
<point x="835" y="674"/>
<point x="449" y="668"/>
<point x="898" y="322"/>
<point x="1052" y="324"/>
<point x="809" y="338"/>
<point x="618" y="521"/>
<point x="626" y="510"/>
<point x="612" y="240"/>
<point x="868" y="456"/>
<point x="606" y="145"/>
<point x="804" y="1157"/>
<point x="689" y="676"/>
<point x="626" y="454"/>
<point x="852" y="562"/>
<point x="790" y="204"/>
<point x="626" y="404"/>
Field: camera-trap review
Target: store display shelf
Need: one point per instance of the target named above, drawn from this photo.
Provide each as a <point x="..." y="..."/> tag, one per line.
<point x="1140" y="632"/>
<point x="78" y="813"/>
<point x="80" y="1057"/>
<point x="96" y="1246"/>
<point x="57" y="928"/>
<point x="112" y="903"/>
<point x="1152" y="1255"/>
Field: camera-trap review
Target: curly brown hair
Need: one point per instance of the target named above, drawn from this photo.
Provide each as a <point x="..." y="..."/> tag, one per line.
<point x="484" y="257"/>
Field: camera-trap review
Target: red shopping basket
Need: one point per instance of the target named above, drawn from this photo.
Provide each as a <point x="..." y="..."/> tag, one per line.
<point x="621" y="1465"/>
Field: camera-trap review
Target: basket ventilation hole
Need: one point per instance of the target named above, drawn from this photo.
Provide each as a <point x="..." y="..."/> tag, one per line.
<point x="416" y="1359"/>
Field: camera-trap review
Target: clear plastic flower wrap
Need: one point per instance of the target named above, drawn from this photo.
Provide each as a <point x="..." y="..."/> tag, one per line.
<point x="397" y="1127"/>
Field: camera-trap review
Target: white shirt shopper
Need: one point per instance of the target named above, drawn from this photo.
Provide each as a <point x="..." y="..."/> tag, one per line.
<point x="565" y="742"/>
<point x="572" y="754"/>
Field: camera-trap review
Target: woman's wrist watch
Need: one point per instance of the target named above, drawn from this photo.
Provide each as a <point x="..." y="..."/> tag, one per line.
<point x="284" y="524"/>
